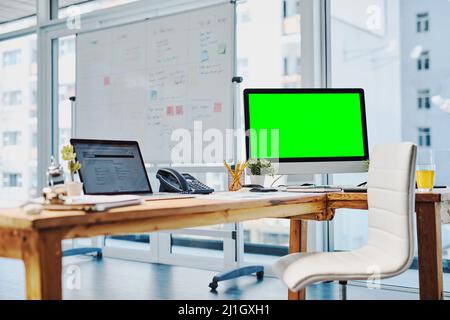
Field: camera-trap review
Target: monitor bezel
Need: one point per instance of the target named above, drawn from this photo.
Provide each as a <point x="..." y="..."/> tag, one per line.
<point x="74" y="141"/>
<point x="365" y="157"/>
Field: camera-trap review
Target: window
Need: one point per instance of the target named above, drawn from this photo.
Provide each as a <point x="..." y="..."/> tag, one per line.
<point x="423" y="63"/>
<point x="291" y="8"/>
<point x="285" y="9"/>
<point x="34" y="97"/>
<point x="286" y="66"/>
<point x="17" y="24"/>
<point x="34" y="139"/>
<point x="423" y="22"/>
<point x="11" y="138"/>
<point x="66" y="46"/>
<point x="299" y="65"/>
<point x="17" y="87"/>
<point x="12" y="98"/>
<point x="423" y="99"/>
<point x="70" y="8"/>
<point x="386" y="65"/>
<point x="243" y="17"/>
<point x="33" y="55"/>
<point x="11" y="58"/>
<point x="424" y="137"/>
<point x="272" y="59"/>
<point x="12" y="180"/>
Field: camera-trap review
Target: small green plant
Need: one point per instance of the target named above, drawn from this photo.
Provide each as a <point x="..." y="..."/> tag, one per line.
<point x="260" y="167"/>
<point x="68" y="154"/>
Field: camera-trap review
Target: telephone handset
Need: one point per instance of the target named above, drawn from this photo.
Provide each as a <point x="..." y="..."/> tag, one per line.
<point x="172" y="181"/>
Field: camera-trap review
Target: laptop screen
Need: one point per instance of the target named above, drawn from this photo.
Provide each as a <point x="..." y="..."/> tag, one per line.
<point x="111" y="167"/>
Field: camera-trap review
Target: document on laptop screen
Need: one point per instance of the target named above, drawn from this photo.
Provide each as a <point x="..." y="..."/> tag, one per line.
<point x="108" y="169"/>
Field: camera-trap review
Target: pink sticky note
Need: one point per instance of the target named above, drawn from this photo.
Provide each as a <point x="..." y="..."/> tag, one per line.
<point x="179" y="110"/>
<point x="218" y="107"/>
<point x="106" y="81"/>
<point x="170" y="111"/>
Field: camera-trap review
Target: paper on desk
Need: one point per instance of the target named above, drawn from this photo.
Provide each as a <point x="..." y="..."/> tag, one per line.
<point x="92" y="200"/>
<point x="237" y="196"/>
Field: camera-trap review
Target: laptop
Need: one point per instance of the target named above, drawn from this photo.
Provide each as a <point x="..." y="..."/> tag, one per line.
<point x="115" y="168"/>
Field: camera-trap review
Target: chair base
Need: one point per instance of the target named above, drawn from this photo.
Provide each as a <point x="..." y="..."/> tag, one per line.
<point x="83" y="251"/>
<point x="343" y="290"/>
<point x="237" y="273"/>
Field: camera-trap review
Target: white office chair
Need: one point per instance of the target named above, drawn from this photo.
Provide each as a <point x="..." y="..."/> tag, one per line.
<point x="390" y="248"/>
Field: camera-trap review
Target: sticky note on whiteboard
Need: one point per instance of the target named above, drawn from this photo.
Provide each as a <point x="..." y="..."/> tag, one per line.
<point x="179" y="110"/>
<point x="106" y="81"/>
<point x="204" y="56"/>
<point x="221" y="48"/>
<point x="218" y="107"/>
<point x="170" y="111"/>
<point x="153" y="95"/>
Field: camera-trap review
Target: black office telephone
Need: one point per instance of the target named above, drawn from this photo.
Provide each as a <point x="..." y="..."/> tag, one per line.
<point x="173" y="181"/>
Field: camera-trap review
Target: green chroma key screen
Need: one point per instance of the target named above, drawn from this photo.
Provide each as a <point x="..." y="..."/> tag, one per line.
<point x="311" y="124"/>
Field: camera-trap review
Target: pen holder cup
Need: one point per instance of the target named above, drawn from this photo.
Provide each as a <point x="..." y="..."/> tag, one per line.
<point x="74" y="189"/>
<point x="235" y="183"/>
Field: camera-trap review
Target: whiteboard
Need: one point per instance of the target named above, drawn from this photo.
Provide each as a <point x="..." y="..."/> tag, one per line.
<point x="142" y="81"/>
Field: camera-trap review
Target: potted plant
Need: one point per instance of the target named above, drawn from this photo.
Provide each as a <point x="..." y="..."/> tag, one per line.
<point x="259" y="169"/>
<point x="74" y="188"/>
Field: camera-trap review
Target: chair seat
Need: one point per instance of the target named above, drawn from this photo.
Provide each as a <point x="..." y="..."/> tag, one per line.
<point x="302" y="269"/>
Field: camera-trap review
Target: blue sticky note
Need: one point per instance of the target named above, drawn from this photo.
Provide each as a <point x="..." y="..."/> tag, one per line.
<point x="153" y="95"/>
<point x="204" y="56"/>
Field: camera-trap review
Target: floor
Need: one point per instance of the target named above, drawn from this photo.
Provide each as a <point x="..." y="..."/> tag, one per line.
<point x="86" y="278"/>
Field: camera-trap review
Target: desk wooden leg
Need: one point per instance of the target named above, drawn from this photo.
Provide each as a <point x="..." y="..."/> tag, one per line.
<point x="42" y="256"/>
<point x="430" y="251"/>
<point x="298" y="243"/>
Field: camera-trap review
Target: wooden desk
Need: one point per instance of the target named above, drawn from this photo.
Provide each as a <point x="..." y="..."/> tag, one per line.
<point x="432" y="209"/>
<point x="37" y="239"/>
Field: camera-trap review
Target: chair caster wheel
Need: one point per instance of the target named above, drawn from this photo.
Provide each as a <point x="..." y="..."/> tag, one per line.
<point x="99" y="255"/>
<point x="213" y="285"/>
<point x="260" y="275"/>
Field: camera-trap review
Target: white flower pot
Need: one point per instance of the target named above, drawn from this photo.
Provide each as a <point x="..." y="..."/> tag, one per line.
<point x="258" y="180"/>
<point x="74" y="189"/>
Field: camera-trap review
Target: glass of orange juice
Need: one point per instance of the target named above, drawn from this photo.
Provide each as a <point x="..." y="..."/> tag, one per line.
<point x="425" y="171"/>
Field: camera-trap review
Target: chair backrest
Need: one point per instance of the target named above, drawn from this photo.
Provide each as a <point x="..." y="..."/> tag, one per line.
<point x="391" y="196"/>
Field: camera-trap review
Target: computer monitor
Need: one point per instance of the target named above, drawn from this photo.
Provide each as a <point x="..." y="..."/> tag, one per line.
<point x="307" y="131"/>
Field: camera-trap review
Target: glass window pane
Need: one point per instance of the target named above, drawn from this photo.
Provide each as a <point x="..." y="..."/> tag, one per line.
<point x="71" y="8"/>
<point x="18" y="129"/>
<point x="272" y="60"/>
<point x="16" y="15"/>
<point x="387" y="48"/>
<point x="66" y="87"/>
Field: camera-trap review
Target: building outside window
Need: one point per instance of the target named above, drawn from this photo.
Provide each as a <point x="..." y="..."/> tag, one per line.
<point x="424" y="137"/>
<point x="423" y="63"/>
<point x="285" y="9"/>
<point x="12" y="57"/>
<point x="423" y="22"/>
<point x="11" y="138"/>
<point x="424" y="99"/>
<point x="17" y="84"/>
<point x="66" y="46"/>
<point x="12" y="180"/>
<point x="384" y="61"/>
<point x="286" y="66"/>
<point x="12" y="98"/>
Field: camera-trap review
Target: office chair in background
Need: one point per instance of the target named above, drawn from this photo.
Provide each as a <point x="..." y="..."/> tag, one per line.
<point x="390" y="248"/>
